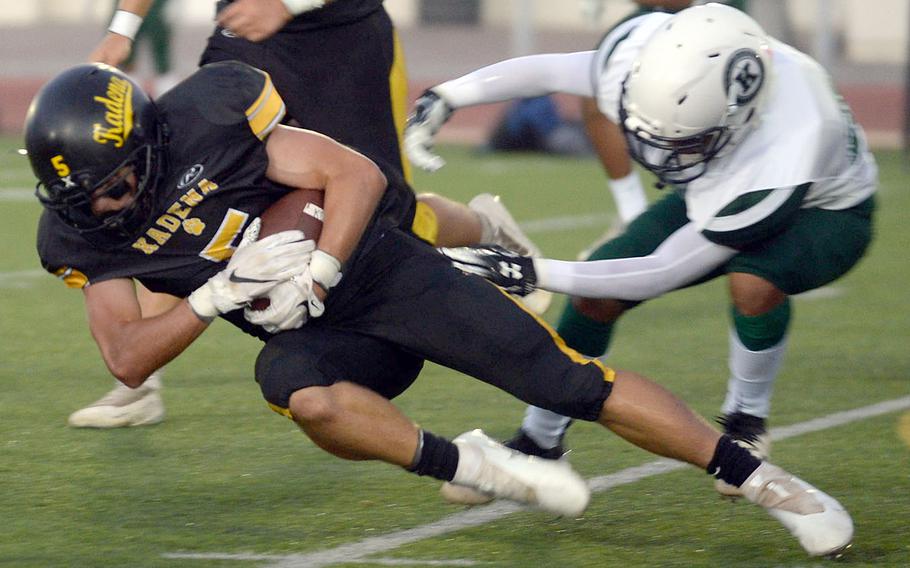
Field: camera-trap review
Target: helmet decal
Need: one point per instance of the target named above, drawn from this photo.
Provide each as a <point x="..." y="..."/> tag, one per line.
<point x="744" y="76"/>
<point x="118" y="101"/>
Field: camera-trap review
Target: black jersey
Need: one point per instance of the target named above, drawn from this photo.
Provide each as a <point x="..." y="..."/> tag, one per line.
<point x="213" y="184"/>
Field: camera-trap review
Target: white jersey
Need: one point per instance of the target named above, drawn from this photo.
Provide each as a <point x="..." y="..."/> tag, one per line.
<point x="805" y="141"/>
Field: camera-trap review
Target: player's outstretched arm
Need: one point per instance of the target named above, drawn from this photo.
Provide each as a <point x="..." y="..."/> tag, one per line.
<point x="530" y="76"/>
<point x="117" y="44"/>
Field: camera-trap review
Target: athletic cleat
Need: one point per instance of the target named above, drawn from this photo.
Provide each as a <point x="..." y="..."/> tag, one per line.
<point x="551" y="485"/>
<point x="122" y="407"/>
<point x="821" y="524"/>
<point x="750" y="433"/>
<point x="462" y="495"/>
<point x="504" y="231"/>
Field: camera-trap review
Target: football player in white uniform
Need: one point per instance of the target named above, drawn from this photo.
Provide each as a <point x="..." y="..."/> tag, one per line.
<point x="769" y="181"/>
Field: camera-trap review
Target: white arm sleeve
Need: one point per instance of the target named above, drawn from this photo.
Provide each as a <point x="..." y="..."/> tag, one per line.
<point x="531" y="76"/>
<point x="685" y="256"/>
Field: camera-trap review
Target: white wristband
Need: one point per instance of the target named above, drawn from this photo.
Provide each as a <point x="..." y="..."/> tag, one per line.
<point x="125" y="23"/>
<point x="300" y="6"/>
<point x="325" y="269"/>
<point x="202" y="304"/>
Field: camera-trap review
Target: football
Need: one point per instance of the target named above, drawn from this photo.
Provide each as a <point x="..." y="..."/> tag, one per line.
<point x="300" y="209"/>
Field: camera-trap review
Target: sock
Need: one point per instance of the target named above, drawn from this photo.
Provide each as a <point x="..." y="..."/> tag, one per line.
<point x="435" y="456"/>
<point x="731" y="462"/>
<point x="546" y="428"/>
<point x="762" y="331"/>
<point x="757" y="348"/>
<point x="583" y="334"/>
<point x="629" y="196"/>
<point x="153" y="382"/>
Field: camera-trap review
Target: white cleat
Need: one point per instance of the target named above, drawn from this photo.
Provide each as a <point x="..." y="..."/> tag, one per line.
<point x="506" y="232"/>
<point x="463" y="495"/>
<point x="551" y="485"/>
<point x="760" y="447"/>
<point x="822" y="525"/>
<point x="122" y="407"/>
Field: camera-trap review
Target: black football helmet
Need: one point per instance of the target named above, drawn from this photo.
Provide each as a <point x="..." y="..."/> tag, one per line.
<point x="84" y="130"/>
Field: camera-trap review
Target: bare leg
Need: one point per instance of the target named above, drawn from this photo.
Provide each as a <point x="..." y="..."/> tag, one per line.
<point x="153" y="304"/>
<point x="649" y="416"/>
<point x="355" y="423"/>
<point x="458" y="225"/>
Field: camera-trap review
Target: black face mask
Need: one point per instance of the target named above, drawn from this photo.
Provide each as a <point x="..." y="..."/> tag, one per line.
<point x="71" y="200"/>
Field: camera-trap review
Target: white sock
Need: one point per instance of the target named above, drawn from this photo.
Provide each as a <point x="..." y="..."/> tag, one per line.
<point x="544" y="427"/>
<point x="629" y="196"/>
<point x="154" y="380"/>
<point x="752" y="375"/>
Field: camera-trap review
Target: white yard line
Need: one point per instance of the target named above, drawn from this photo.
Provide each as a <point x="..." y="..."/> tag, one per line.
<point x="358" y="551"/>
<point x="17" y="194"/>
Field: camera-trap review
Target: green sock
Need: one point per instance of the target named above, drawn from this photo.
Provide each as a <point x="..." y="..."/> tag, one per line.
<point x="764" y="331"/>
<point x="585" y="335"/>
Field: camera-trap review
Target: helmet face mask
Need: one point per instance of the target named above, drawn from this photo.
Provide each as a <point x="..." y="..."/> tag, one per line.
<point x="694" y="91"/>
<point x="92" y="132"/>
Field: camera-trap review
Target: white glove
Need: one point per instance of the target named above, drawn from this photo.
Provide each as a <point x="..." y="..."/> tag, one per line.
<point x="293" y="302"/>
<point x="253" y="270"/>
<point x="287" y="307"/>
<point x="430" y="113"/>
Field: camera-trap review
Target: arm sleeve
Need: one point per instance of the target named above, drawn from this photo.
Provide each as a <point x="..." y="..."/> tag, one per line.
<point x="681" y="259"/>
<point x="530" y="76"/>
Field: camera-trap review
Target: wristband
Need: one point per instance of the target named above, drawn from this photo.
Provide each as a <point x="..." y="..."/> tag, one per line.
<point x="300" y="6"/>
<point x="325" y="269"/>
<point x="125" y="23"/>
<point x="201" y="304"/>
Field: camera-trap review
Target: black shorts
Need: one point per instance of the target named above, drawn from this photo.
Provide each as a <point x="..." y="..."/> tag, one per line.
<point x="402" y="304"/>
<point x="335" y="80"/>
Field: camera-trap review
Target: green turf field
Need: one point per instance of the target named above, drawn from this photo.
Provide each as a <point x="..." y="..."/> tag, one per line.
<point x="225" y="482"/>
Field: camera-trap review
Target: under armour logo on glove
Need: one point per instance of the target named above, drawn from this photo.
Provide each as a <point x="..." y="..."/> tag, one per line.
<point x="510" y="271"/>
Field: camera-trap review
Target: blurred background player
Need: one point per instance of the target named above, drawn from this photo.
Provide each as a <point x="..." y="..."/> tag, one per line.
<point x="773" y="186"/>
<point x="340" y="69"/>
<point x="155" y="31"/>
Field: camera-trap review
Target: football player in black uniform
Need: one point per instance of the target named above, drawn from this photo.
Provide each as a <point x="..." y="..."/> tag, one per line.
<point x="161" y="194"/>
<point x="340" y="69"/>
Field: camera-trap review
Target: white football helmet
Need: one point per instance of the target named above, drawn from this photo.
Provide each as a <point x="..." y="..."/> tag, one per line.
<point x="694" y="90"/>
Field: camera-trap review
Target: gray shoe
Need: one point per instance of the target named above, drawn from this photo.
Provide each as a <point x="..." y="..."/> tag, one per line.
<point x="123" y="407"/>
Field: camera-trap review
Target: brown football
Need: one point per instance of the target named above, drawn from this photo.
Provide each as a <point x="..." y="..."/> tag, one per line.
<point x="300" y="209"/>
